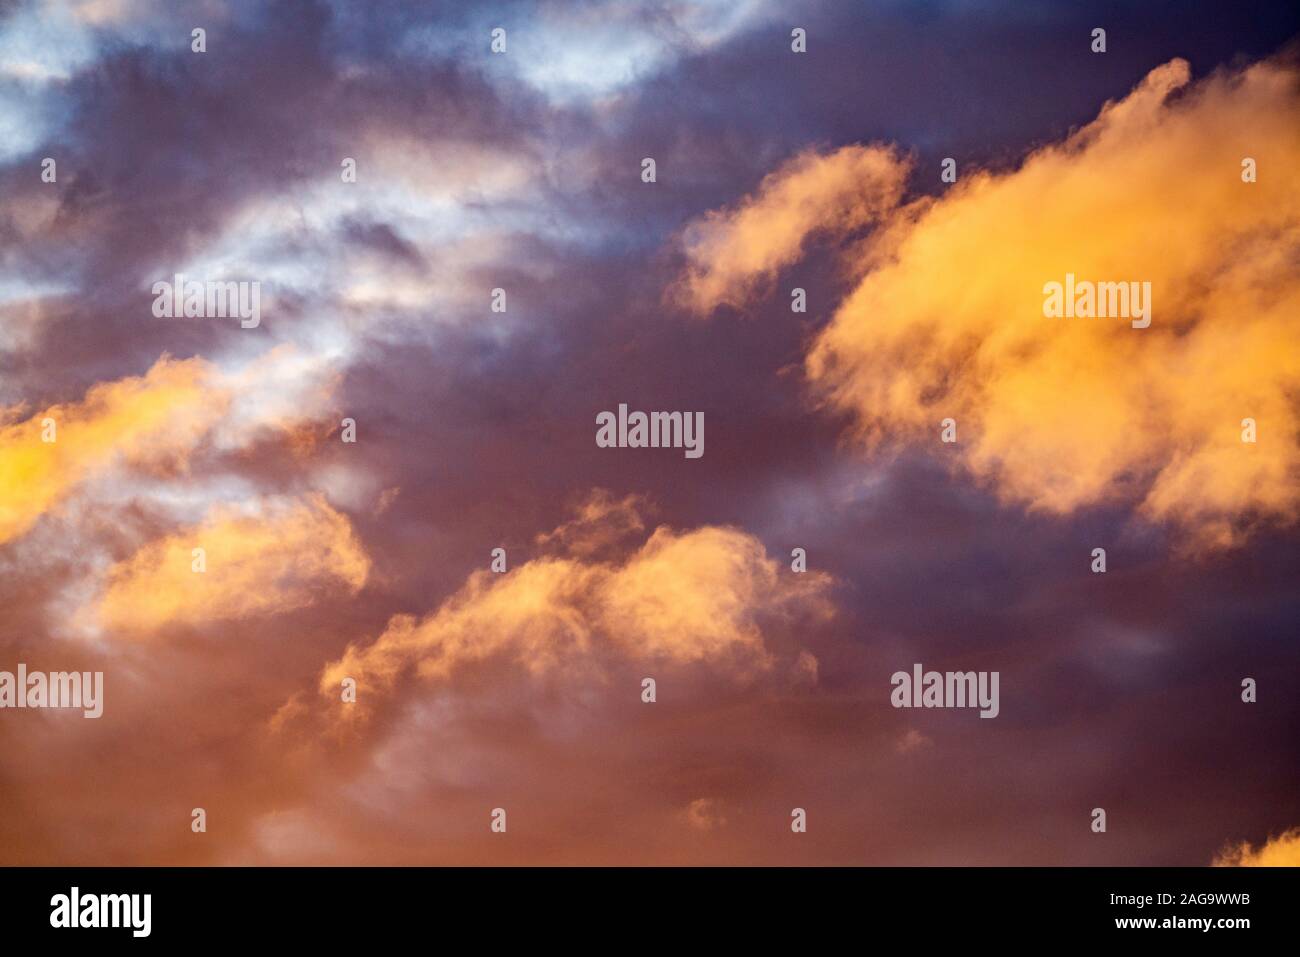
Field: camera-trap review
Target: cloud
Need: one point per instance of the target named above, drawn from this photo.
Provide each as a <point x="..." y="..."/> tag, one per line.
<point x="696" y="597"/>
<point x="595" y="51"/>
<point x="912" y="740"/>
<point x="1280" y="851"/>
<point x="704" y="814"/>
<point x="262" y="559"/>
<point x="947" y="318"/>
<point x="1064" y="413"/>
<point x="735" y="254"/>
<point x="419" y="222"/>
<point x="525" y="178"/>
<point x="600" y="522"/>
<point x="158" y="416"/>
<point x="151" y="426"/>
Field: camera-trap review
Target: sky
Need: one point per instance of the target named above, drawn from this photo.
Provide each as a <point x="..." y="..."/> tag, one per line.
<point x="277" y="538"/>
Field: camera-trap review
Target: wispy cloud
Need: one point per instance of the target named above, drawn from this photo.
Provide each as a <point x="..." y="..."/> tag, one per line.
<point x="699" y="596"/>
<point x="1280" y="851"/>
<point x="261" y="558"/>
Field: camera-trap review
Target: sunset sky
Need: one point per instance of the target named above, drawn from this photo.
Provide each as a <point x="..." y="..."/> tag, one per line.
<point x="475" y="430"/>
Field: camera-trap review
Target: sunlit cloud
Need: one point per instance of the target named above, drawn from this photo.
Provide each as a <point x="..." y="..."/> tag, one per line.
<point x="1280" y="851"/>
<point x="696" y="597"/>
<point x="159" y="415"/>
<point x="258" y="559"/>
<point x="202" y="531"/>
<point x="734" y="255"/>
<point x="600" y="522"/>
<point x="151" y="426"/>
<point x="947" y="320"/>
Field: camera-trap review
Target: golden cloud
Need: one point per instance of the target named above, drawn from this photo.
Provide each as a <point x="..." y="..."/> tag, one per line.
<point x="734" y="255"/>
<point x="1280" y="851"/>
<point x="273" y="558"/>
<point x="159" y="415"/>
<point x="947" y="318"/>
<point x="600" y="522"/>
<point x="681" y="597"/>
<point x="704" y="814"/>
<point x="152" y="424"/>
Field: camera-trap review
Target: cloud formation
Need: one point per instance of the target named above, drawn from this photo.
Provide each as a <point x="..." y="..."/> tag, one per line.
<point x="735" y="254"/>
<point x="1280" y="851"/>
<point x="150" y="427"/>
<point x="157" y="417"/>
<point x="520" y="171"/>
<point x="696" y="597"/>
<point x="1063" y="413"/>
<point x="269" y="558"/>
<point x="947" y="320"/>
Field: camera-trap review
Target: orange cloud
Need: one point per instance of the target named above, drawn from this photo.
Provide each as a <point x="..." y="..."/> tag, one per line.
<point x="682" y="597"/>
<point x="601" y="522"/>
<point x="735" y="254"/>
<point x="1280" y="851"/>
<point x="704" y="814"/>
<point x="273" y="558"/>
<point x="947" y="319"/>
<point x="152" y="424"/>
<point x="159" y="415"/>
<point x="1061" y="413"/>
